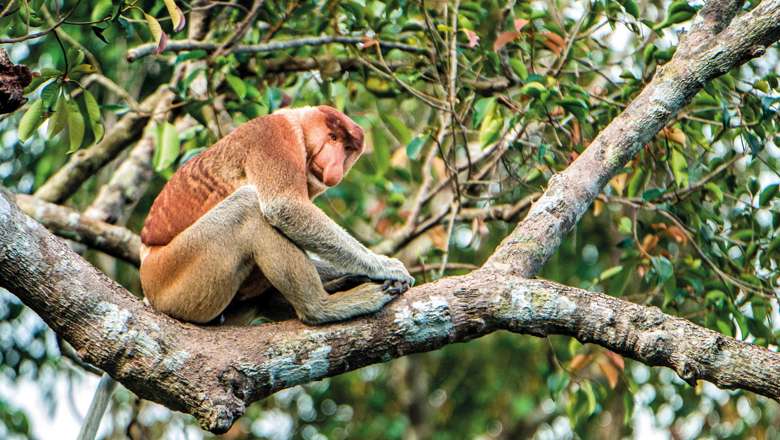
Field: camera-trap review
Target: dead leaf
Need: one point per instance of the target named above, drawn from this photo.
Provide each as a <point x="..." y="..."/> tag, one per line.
<point x="554" y="42"/>
<point x="438" y="236"/>
<point x="576" y="134"/>
<point x="677" y="234"/>
<point x="618" y="183"/>
<point x="383" y="226"/>
<point x="598" y="207"/>
<point x="579" y="361"/>
<point x="439" y="167"/>
<point x="399" y="159"/>
<point x="473" y="38"/>
<point x="610" y="372"/>
<point x="649" y="242"/>
<point x="616" y="359"/>
<point x="674" y="134"/>
<point x="659" y="226"/>
<point x="503" y="39"/>
<point x="520" y="23"/>
<point x="368" y="42"/>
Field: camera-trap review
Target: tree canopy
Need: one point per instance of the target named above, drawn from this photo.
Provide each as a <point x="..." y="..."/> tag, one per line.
<point x="601" y="174"/>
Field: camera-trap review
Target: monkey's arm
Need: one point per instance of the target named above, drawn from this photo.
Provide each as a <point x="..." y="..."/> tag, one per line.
<point x="308" y="227"/>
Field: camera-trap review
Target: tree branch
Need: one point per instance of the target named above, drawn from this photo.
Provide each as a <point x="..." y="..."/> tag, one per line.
<point x="84" y="163"/>
<point x="116" y="241"/>
<point x="702" y="56"/>
<point x="185" y="45"/>
<point x="213" y="373"/>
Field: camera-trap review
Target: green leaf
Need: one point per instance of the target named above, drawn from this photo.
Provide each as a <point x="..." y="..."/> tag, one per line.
<point x="715" y="190"/>
<point x="628" y="405"/>
<point x="83" y="68"/>
<point x="631" y="7"/>
<point x="177" y="17"/>
<point x="414" y="147"/>
<point x="75" y="126"/>
<point x="652" y="194"/>
<point x="636" y="181"/>
<point x="518" y="66"/>
<point x="625" y="226"/>
<point x="482" y="108"/>
<point x="50" y="93"/>
<point x="167" y="147"/>
<point x="397" y="127"/>
<point x="34" y="84"/>
<point x="238" y="86"/>
<point x="724" y="327"/>
<point x="93" y="113"/>
<point x="489" y="132"/>
<point x="75" y="57"/>
<point x="533" y="89"/>
<point x="663" y="267"/>
<point x="611" y="272"/>
<point x="160" y="37"/>
<point x="31" y="119"/>
<point x="59" y="119"/>
<point x="679" y="168"/>
<point x="767" y="194"/>
<point x="191" y="55"/>
<point x="381" y="153"/>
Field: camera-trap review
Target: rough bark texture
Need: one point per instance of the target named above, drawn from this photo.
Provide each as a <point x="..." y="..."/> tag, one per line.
<point x="214" y="372"/>
<point x="116" y="241"/>
<point x="13" y="79"/>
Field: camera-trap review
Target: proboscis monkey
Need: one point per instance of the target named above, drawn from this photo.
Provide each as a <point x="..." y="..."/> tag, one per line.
<point x="244" y="207"/>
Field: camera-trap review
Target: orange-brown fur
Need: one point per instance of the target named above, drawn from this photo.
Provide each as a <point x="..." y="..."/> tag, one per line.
<point x="243" y="207"/>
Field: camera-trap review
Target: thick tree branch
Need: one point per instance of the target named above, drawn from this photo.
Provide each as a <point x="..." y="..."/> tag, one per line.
<point x="215" y="372"/>
<point x="702" y="56"/>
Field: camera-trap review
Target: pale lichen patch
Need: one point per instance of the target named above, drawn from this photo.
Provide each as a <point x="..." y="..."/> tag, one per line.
<point x="116" y="326"/>
<point x="286" y="371"/>
<point x="425" y="320"/>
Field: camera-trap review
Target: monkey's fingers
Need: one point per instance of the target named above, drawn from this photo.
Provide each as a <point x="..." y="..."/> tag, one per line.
<point x="395" y="287"/>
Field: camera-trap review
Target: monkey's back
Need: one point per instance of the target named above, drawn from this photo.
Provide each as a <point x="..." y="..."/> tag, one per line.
<point x="193" y="190"/>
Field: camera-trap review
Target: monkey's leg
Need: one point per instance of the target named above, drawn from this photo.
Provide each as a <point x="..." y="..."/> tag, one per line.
<point x="197" y="274"/>
<point x="290" y="270"/>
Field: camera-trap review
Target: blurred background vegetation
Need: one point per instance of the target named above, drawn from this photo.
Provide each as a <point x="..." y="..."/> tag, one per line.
<point x="690" y="226"/>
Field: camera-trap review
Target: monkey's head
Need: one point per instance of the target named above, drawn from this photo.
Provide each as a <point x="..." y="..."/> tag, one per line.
<point x="333" y="143"/>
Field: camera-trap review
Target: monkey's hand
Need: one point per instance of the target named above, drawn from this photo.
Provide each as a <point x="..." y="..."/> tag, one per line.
<point x="393" y="270"/>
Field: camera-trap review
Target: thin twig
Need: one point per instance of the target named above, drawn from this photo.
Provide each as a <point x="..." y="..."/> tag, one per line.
<point x="185" y="45"/>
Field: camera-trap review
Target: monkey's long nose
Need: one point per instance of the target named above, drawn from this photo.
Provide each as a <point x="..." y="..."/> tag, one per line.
<point x="332" y="174"/>
<point x="333" y="171"/>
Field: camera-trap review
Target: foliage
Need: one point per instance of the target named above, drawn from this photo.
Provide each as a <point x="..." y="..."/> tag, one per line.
<point x="691" y="225"/>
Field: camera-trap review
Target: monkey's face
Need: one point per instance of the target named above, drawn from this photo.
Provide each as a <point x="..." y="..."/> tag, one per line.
<point x="335" y="142"/>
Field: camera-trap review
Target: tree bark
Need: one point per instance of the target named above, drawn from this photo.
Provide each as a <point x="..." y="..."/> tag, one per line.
<point x="214" y="372"/>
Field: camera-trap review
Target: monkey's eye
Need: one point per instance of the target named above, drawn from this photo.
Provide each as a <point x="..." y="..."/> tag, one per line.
<point x="332" y="136"/>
